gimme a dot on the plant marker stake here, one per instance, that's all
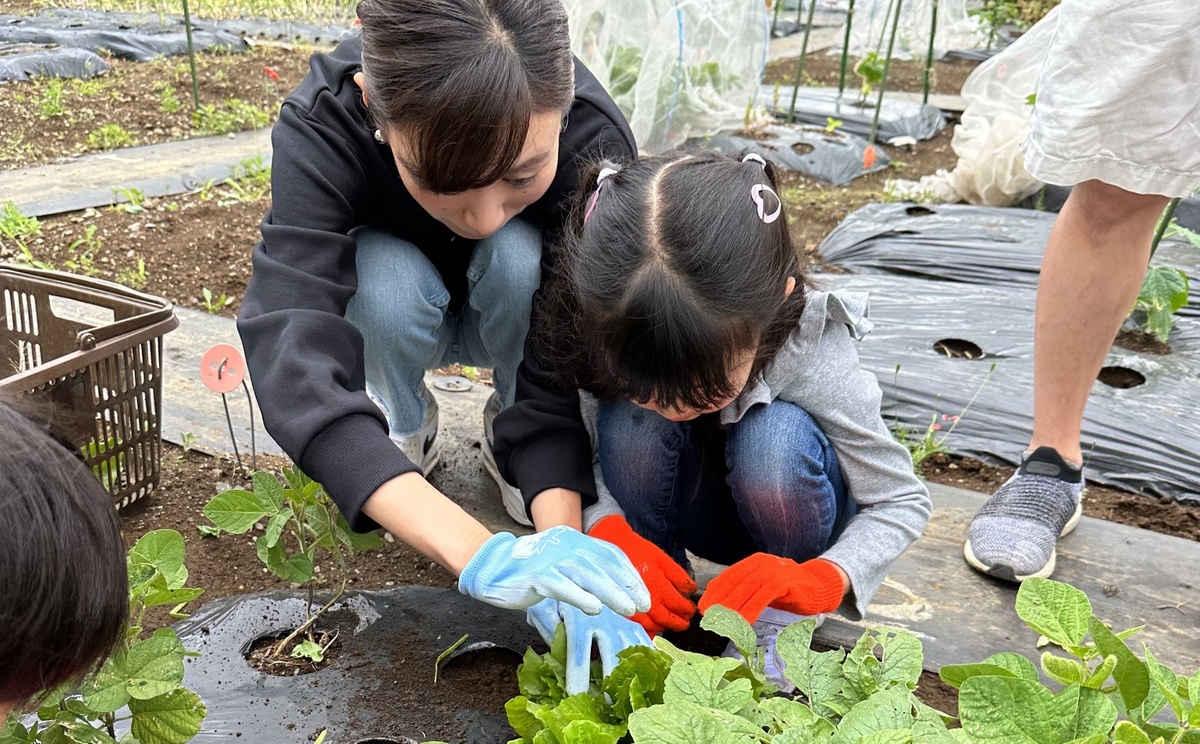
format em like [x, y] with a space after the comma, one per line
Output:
[1163, 223]
[929, 56]
[222, 369]
[812, 9]
[187, 27]
[887, 63]
[845, 53]
[253, 445]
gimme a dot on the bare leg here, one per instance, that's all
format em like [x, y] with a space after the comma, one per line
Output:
[1094, 264]
[1095, 260]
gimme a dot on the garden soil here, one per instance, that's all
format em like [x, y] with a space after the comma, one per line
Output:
[823, 69]
[132, 96]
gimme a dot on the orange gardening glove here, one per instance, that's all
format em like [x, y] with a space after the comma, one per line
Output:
[764, 580]
[669, 584]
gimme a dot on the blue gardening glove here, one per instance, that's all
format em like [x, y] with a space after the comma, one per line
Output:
[611, 632]
[560, 563]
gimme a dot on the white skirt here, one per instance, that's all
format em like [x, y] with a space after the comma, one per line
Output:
[1118, 99]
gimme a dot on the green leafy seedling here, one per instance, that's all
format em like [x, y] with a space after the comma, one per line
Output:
[302, 524]
[437, 663]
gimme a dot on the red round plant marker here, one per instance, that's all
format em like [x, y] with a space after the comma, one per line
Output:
[222, 368]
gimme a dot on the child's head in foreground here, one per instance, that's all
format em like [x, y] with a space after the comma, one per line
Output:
[63, 581]
[677, 278]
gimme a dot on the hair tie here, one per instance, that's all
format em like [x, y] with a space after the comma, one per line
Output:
[605, 174]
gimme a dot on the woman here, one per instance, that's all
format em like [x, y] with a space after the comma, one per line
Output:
[394, 246]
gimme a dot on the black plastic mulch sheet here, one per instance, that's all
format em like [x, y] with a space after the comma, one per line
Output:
[26, 61]
[978, 245]
[1051, 199]
[816, 106]
[832, 157]
[140, 44]
[349, 695]
[259, 28]
[1142, 438]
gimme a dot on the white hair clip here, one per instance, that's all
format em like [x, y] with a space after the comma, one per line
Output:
[754, 157]
[756, 196]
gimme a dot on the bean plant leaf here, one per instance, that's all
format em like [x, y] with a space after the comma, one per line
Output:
[683, 723]
[297, 568]
[1064, 671]
[1131, 675]
[161, 551]
[1098, 676]
[1167, 683]
[955, 674]
[356, 540]
[818, 675]
[157, 594]
[1128, 733]
[1082, 713]
[235, 510]
[729, 624]
[1001, 710]
[268, 490]
[1058, 611]
[173, 718]
[276, 525]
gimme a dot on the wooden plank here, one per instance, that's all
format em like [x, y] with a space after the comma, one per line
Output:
[1132, 577]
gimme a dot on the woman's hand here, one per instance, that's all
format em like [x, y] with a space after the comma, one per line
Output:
[560, 563]
[610, 632]
[763, 580]
[669, 584]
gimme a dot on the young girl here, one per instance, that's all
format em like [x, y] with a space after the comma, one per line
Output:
[64, 595]
[734, 420]
[415, 172]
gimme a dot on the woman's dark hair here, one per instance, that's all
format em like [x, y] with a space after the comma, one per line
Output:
[64, 595]
[460, 80]
[670, 279]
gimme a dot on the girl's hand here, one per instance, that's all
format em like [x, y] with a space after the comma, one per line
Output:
[763, 580]
[560, 563]
[669, 584]
[611, 633]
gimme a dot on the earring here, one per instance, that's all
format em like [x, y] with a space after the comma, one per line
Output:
[379, 137]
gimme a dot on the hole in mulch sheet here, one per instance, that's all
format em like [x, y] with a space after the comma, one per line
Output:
[1121, 377]
[958, 348]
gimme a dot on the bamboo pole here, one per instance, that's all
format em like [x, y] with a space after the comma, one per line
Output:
[887, 64]
[929, 56]
[187, 25]
[812, 9]
[845, 51]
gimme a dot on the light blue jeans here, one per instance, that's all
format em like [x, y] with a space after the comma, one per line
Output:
[402, 310]
[777, 489]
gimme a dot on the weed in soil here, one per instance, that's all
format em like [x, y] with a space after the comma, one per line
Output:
[294, 659]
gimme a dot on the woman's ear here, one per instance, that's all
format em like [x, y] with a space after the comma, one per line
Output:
[361, 82]
[790, 287]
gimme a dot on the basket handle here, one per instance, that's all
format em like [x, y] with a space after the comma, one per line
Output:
[88, 338]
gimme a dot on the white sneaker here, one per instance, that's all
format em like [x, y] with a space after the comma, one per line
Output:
[422, 446]
[514, 503]
[766, 630]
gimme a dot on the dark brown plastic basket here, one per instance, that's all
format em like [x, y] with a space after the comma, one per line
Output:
[93, 348]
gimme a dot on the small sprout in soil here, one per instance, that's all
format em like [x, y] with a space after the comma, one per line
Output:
[215, 305]
[234, 115]
[82, 252]
[187, 440]
[134, 278]
[110, 137]
[310, 650]
[168, 100]
[832, 124]
[437, 663]
[15, 226]
[87, 88]
[249, 182]
[932, 441]
[207, 530]
[50, 103]
[132, 201]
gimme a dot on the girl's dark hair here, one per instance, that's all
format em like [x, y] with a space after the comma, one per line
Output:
[460, 80]
[64, 595]
[672, 277]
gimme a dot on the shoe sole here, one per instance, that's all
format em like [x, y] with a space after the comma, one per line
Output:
[516, 512]
[1006, 573]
